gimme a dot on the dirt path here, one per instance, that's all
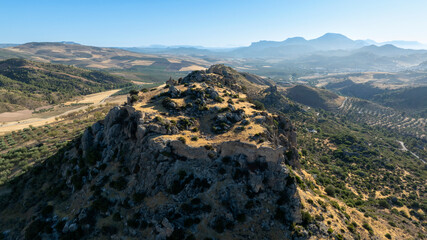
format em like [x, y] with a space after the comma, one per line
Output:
[96, 99]
[402, 144]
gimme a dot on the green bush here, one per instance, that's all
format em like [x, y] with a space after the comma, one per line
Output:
[330, 190]
[119, 184]
[383, 203]
[182, 139]
[219, 99]
[368, 227]
[258, 105]
[208, 147]
[117, 217]
[133, 92]
[306, 218]
[134, 99]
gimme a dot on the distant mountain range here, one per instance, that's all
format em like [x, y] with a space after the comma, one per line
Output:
[401, 44]
[290, 47]
[331, 52]
[330, 44]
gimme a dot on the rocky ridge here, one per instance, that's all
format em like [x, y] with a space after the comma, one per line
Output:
[192, 160]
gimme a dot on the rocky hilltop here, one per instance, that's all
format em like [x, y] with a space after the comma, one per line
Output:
[193, 159]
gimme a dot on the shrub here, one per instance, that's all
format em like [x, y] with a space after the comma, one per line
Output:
[109, 230]
[102, 204]
[182, 139]
[335, 205]
[368, 227]
[158, 119]
[117, 217]
[168, 103]
[221, 223]
[351, 228]
[184, 123]
[306, 218]
[119, 184]
[194, 138]
[182, 174]
[219, 99]
[133, 92]
[258, 105]
[392, 224]
[383, 203]
[241, 217]
[388, 235]
[330, 190]
[134, 98]
[47, 211]
[138, 197]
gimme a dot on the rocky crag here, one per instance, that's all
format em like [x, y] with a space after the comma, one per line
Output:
[195, 159]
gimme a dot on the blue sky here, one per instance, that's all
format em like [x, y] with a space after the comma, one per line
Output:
[213, 23]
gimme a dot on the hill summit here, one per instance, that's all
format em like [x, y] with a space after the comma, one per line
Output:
[193, 159]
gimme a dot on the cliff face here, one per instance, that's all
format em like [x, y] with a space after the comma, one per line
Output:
[234, 188]
[136, 174]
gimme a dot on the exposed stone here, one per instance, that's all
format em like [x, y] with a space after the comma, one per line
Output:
[174, 92]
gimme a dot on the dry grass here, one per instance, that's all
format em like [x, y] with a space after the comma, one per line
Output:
[192, 68]
[336, 218]
[204, 124]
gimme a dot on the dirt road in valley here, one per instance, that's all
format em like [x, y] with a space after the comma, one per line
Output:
[96, 99]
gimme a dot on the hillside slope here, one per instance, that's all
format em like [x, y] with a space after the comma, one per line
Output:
[97, 57]
[28, 84]
[314, 97]
[201, 158]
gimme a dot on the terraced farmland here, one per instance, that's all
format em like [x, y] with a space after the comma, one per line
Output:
[377, 115]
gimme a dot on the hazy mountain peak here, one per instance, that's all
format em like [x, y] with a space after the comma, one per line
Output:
[333, 36]
[335, 41]
[295, 40]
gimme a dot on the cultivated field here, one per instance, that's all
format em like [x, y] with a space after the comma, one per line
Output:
[376, 115]
[13, 121]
